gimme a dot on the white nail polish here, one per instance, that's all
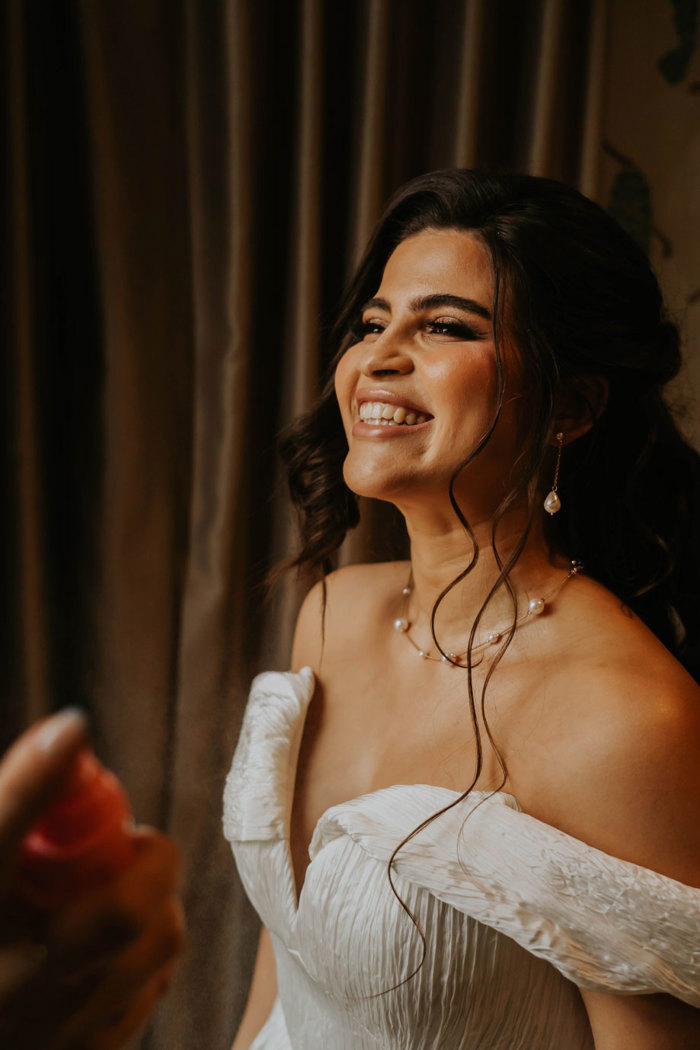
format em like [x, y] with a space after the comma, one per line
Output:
[70, 721]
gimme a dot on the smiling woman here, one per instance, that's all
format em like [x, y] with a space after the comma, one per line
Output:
[468, 816]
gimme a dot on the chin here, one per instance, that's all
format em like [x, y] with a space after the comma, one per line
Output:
[391, 484]
[373, 484]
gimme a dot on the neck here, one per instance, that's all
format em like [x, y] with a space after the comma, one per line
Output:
[440, 552]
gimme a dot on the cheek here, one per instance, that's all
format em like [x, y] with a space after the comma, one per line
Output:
[470, 387]
[340, 378]
[344, 381]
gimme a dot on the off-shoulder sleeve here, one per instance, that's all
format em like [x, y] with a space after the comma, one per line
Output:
[259, 786]
[602, 922]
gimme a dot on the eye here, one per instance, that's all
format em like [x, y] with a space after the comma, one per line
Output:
[452, 329]
[367, 329]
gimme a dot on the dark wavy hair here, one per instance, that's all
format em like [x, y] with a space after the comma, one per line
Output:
[579, 298]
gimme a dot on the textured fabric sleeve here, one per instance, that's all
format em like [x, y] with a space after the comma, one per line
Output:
[265, 754]
[602, 922]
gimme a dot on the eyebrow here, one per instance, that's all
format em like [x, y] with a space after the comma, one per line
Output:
[428, 302]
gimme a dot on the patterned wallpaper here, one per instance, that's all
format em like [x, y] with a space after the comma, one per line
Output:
[650, 175]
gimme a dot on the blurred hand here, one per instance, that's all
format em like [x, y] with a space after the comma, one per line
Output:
[89, 976]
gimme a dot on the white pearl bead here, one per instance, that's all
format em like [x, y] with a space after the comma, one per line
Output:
[494, 637]
[535, 606]
[401, 624]
[552, 503]
[422, 653]
[406, 591]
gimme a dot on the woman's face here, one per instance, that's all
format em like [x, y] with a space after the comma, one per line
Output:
[418, 390]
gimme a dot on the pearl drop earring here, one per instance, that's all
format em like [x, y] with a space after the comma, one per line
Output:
[552, 503]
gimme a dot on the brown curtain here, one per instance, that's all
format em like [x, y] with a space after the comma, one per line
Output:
[188, 187]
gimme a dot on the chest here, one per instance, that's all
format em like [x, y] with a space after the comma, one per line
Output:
[369, 728]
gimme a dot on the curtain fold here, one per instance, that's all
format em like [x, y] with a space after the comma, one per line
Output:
[142, 245]
[24, 490]
[468, 98]
[305, 303]
[547, 65]
[229, 161]
[592, 134]
[371, 146]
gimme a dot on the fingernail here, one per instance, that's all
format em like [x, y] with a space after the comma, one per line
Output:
[68, 723]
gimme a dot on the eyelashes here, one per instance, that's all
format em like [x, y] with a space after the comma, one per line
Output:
[363, 328]
[452, 329]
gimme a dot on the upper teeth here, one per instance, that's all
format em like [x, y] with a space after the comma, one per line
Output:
[383, 413]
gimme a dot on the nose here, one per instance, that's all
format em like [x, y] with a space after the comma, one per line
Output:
[387, 355]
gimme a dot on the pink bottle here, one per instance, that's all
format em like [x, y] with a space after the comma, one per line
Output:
[81, 841]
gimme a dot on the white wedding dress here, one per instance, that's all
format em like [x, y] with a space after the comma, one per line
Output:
[516, 914]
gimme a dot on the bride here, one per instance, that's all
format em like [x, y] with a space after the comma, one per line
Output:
[469, 817]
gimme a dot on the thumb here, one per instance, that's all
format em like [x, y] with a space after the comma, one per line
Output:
[31, 771]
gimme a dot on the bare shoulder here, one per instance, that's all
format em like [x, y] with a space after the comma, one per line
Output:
[623, 772]
[356, 598]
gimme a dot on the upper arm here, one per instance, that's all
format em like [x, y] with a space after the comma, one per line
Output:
[628, 779]
[654, 803]
[630, 785]
[326, 627]
[641, 1022]
[308, 634]
[262, 995]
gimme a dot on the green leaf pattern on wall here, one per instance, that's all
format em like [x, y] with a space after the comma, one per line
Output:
[674, 64]
[630, 201]
[630, 204]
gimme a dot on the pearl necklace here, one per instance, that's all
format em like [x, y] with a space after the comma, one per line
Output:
[535, 607]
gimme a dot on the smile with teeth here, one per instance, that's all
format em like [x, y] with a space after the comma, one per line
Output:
[377, 412]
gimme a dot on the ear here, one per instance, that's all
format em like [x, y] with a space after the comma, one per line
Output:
[579, 405]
